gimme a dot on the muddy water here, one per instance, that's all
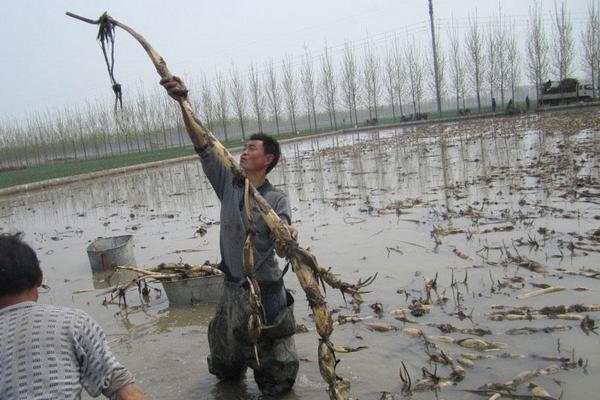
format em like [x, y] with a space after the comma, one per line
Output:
[406, 204]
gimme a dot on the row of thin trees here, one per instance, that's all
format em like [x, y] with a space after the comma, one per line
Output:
[388, 78]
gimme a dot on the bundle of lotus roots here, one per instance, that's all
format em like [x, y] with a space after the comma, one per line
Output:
[175, 271]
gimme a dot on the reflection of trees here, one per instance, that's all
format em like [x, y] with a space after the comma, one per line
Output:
[568, 159]
[381, 163]
[397, 161]
[447, 189]
[101, 206]
[464, 156]
[423, 160]
[339, 178]
[358, 171]
[318, 176]
[595, 154]
[483, 160]
[280, 177]
[514, 145]
[540, 148]
[410, 165]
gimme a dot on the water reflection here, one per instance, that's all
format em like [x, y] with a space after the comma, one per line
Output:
[113, 278]
[195, 315]
[491, 176]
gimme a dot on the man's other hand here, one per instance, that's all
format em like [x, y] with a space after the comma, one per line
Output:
[293, 232]
[281, 247]
[175, 88]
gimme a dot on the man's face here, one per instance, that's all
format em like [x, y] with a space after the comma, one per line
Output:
[253, 158]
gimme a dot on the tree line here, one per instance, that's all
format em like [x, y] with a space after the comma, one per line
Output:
[351, 85]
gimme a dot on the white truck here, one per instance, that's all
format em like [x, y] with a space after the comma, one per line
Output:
[566, 91]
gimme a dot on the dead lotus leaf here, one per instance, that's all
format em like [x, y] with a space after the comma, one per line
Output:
[380, 327]
[481, 345]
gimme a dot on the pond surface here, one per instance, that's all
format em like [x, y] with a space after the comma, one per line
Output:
[481, 200]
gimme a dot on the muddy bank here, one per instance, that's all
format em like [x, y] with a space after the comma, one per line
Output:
[498, 210]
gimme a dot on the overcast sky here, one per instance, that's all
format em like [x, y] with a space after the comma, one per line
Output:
[50, 60]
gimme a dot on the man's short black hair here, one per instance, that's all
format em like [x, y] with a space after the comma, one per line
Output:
[19, 265]
[270, 145]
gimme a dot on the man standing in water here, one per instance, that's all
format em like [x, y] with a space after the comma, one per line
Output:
[49, 352]
[231, 351]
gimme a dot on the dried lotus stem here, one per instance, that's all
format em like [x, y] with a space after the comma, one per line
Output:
[254, 320]
[304, 264]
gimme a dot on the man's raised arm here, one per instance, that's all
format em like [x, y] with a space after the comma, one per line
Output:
[217, 173]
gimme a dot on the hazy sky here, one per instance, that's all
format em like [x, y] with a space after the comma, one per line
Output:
[50, 60]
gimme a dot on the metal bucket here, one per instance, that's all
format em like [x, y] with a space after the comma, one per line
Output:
[204, 289]
[106, 253]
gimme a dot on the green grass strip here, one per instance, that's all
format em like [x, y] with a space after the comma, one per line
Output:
[77, 167]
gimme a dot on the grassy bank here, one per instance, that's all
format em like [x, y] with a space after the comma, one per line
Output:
[76, 167]
[70, 168]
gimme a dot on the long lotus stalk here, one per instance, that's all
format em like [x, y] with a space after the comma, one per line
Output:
[304, 263]
[254, 320]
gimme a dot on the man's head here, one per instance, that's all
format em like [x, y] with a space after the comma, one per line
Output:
[19, 266]
[261, 151]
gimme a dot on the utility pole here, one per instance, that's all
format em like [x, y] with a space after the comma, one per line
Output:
[438, 95]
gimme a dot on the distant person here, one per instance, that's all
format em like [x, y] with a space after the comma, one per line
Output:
[510, 107]
[493, 104]
[50, 352]
[527, 102]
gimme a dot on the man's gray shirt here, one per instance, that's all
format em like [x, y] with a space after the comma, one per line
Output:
[234, 223]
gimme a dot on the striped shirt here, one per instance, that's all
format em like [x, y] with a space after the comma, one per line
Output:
[49, 352]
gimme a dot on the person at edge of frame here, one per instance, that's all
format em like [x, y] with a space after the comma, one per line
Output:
[49, 351]
[230, 350]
